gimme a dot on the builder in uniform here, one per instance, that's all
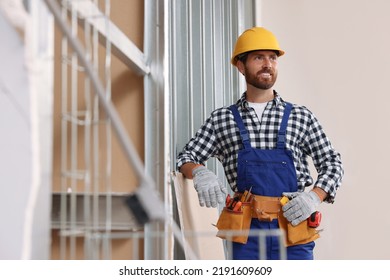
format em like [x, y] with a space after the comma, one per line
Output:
[263, 143]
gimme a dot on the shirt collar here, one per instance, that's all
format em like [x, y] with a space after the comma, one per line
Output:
[276, 102]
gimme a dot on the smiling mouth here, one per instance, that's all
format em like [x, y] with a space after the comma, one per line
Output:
[265, 75]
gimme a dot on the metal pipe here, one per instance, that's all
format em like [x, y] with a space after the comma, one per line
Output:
[107, 72]
[74, 136]
[64, 137]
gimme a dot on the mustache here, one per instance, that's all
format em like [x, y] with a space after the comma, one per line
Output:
[267, 71]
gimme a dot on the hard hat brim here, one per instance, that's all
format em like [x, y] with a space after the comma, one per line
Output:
[234, 60]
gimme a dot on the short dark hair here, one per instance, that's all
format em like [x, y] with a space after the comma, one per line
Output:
[243, 56]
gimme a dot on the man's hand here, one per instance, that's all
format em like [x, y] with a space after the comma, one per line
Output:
[300, 206]
[209, 188]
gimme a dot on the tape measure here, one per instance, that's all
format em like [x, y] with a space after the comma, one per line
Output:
[315, 218]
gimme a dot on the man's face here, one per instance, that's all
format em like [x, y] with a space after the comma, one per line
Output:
[260, 69]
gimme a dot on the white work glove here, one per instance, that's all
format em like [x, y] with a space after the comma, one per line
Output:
[300, 206]
[209, 188]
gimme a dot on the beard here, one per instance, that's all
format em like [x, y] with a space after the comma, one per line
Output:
[260, 82]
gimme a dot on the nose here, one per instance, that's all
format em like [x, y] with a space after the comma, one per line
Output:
[267, 62]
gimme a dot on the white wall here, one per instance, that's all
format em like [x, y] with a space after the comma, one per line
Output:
[15, 147]
[26, 134]
[337, 63]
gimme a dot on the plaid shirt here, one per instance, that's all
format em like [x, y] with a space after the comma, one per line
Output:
[219, 137]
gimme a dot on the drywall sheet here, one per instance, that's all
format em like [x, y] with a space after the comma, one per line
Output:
[196, 221]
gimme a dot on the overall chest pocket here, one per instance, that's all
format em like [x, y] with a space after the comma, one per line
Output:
[268, 178]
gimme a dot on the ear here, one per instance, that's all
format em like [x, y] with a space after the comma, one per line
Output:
[241, 67]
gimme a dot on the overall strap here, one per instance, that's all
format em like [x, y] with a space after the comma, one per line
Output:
[243, 132]
[281, 144]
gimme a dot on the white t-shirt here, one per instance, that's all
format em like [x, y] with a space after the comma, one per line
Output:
[259, 108]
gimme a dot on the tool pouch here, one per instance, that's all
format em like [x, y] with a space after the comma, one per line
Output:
[299, 234]
[234, 225]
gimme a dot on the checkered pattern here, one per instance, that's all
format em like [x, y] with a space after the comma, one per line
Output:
[219, 137]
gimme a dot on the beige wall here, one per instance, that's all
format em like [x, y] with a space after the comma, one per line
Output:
[337, 63]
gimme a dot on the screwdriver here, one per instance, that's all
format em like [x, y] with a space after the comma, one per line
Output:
[227, 202]
[233, 202]
[237, 206]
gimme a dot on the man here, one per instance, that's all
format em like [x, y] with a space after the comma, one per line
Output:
[263, 143]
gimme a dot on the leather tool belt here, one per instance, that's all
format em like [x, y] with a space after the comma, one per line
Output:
[264, 208]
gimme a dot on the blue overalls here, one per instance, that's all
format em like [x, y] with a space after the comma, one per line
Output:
[268, 173]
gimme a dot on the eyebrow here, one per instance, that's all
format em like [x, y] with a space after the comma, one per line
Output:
[273, 54]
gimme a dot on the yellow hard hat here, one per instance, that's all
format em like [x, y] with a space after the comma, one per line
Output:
[256, 38]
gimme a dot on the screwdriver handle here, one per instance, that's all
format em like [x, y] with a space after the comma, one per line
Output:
[237, 207]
